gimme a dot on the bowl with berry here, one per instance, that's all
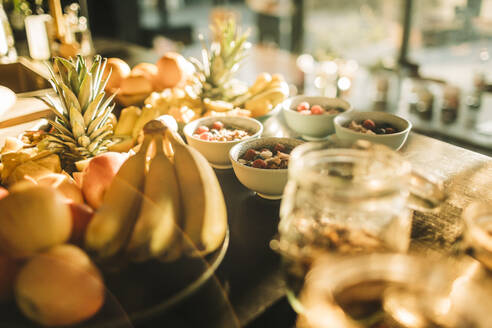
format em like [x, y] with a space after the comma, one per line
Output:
[214, 136]
[312, 117]
[261, 164]
[379, 127]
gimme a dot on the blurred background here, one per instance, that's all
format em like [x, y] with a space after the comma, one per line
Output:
[428, 60]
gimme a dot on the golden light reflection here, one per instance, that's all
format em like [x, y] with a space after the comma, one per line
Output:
[407, 318]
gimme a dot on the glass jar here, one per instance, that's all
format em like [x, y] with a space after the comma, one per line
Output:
[347, 201]
[450, 104]
[395, 290]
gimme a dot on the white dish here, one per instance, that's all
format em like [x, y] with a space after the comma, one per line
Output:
[267, 183]
[394, 140]
[217, 152]
[312, 127]
[7, 99]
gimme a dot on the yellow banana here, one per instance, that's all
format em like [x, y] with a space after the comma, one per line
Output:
[260, 84]
[128, 118]
[148, 113]
[157, 231]
[217, 105]
[112, 224]
[204, 209]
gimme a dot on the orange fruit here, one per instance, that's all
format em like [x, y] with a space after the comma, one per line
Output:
[59, 287]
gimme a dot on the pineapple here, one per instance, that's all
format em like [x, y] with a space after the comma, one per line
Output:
[219, 63]
[80, 128]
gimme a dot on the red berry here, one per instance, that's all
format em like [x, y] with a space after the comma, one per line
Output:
[259, 163]
[305, 112]
[201, 129]
[317, 110]
[369, 124]
[279, 147]
[206, 136]
[217, 125]
[250, 154]
[303, 106]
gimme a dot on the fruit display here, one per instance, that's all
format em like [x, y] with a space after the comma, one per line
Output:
[164, 202]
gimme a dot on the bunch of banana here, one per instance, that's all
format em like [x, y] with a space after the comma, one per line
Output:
[267, 92]
[175, 207]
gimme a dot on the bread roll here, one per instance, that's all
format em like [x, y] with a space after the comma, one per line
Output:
[136, 84]
[173, 69]
[148, 70]
[119, 71]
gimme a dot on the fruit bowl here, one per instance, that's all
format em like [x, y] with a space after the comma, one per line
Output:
[217, 152]
[312, 127]
[394, 140]
[267, 183]
[140, 292]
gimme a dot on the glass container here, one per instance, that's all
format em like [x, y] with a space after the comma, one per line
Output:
[395, 290]
[347, 201]
[450, 106]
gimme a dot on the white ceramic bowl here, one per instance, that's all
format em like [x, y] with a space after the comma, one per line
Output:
[217, 152]
[312, 127]
[267, 183]
[394, 141]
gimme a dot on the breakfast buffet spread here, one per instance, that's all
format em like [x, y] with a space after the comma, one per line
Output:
[119, 189]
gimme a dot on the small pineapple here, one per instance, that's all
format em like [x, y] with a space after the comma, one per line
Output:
[219, 63]
[80, 128]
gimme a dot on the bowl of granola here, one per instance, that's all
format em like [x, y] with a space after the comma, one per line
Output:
[378, 127]
[312, 117]
[261, 164]
[215, 136]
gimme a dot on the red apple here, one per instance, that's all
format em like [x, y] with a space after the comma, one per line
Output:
[3, 192]
[81, 216]
[98, 174]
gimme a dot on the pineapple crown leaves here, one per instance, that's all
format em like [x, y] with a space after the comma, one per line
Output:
[222, 60]
[79, 128]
